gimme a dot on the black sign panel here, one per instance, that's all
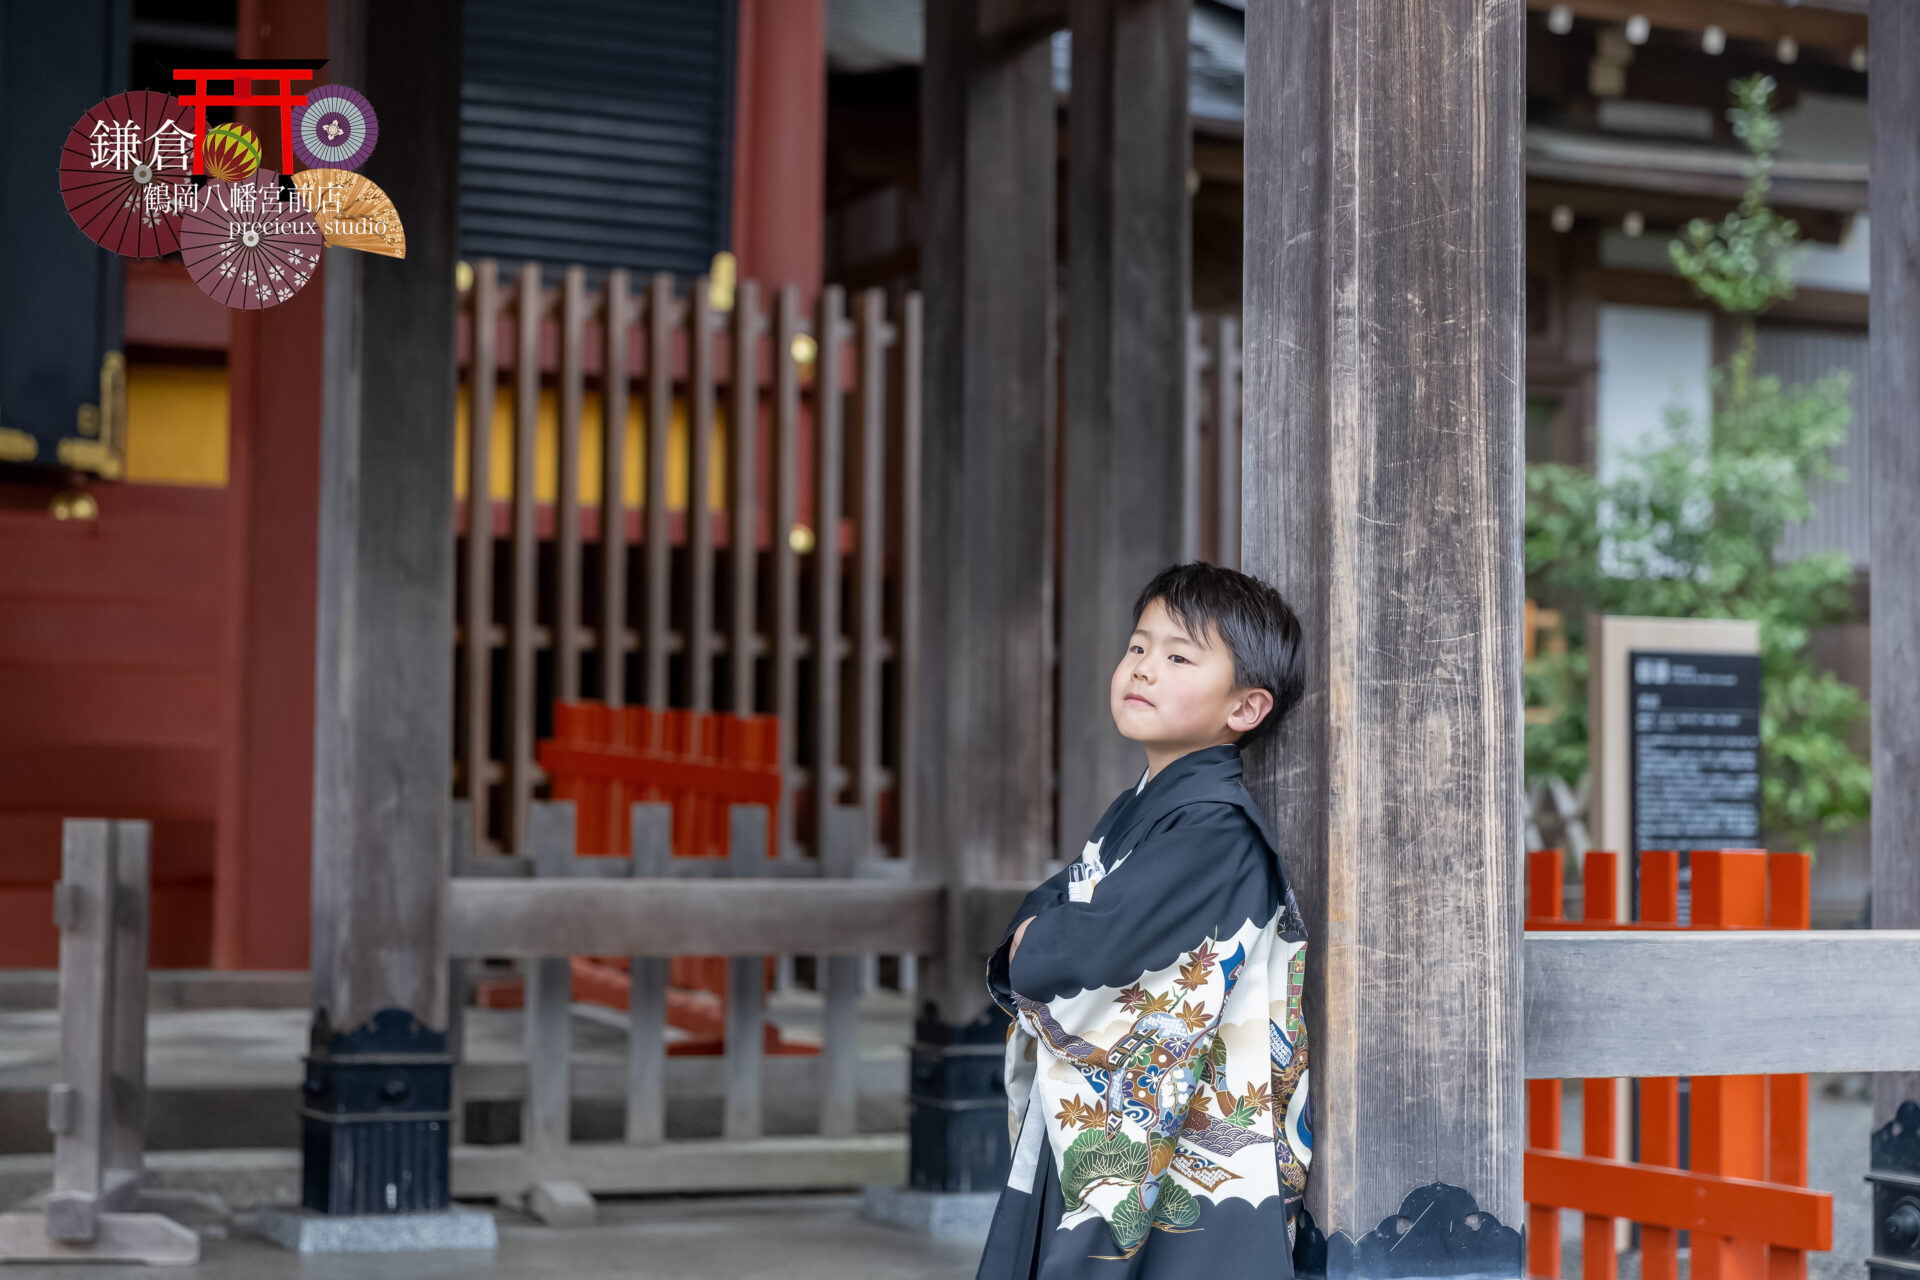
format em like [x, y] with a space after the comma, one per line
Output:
[1695, 752]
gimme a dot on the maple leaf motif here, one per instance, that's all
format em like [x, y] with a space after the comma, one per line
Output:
[1257, 1097]
[1194, 1015]
[1095, 1117]
[1193, 976]
[1072, 1112]
[1158, 1004]
[1205, 954]
[1132, 998]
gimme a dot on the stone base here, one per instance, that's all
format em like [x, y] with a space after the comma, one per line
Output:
[942, 1215]
[303, 1231]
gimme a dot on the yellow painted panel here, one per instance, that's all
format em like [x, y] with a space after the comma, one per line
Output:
[547, 451]
[177, 424]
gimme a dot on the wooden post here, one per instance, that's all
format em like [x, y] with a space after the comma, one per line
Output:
[383, 741]
[977, 763]
[1124, 470]
[1893, 380]
[1382, 451]
[988, 156]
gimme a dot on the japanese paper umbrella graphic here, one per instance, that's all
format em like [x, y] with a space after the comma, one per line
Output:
[124, 173]
[246, 249]
[335, 130]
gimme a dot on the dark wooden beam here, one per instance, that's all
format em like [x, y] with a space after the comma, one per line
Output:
[1810, 25]
[1129, 246]
[1383, 496]
[1893, 388]
[1654, 289]
[980, 752]
[384, 743]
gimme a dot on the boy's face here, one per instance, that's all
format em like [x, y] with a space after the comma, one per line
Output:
[1173, 692]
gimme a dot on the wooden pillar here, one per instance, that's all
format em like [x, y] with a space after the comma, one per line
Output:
[981, 730]
[1893, 380]
[383, 743]
[1382, 458]
[978, 735]
[1129, 282]
[274, 363]
[780, 143]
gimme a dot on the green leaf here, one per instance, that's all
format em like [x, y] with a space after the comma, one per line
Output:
[1176, 1206]
[1094, 1155]
[1130, 1222]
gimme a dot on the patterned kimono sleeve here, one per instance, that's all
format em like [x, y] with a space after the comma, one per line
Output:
[1128, 989]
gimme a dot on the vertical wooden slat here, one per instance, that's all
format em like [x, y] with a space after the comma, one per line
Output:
[1660, 1095]
[828, 405]
[1727, 1128]
[661, 319]
[548, 1020]
[1789, 906]
[127, 1052]
[907, 562]
[786, 566]
[875, 336]
[1599, 1098]
[651, 841]
[1190, 421]
[746, 977]
[1545, 872]
[700, 343]
[479, 616]
[743, 450]
[840, 985]
[613, 504]
[1226, 434]
[84, 909]
[529, 309]
[566, 613]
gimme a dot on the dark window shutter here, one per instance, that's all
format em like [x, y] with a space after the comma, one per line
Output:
[61, 295]
[598, 132]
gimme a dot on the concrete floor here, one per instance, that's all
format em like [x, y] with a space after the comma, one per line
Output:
[254, 1054]
[734, 1238]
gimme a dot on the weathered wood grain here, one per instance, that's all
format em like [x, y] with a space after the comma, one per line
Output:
[1686, 1003]
[530, 309]
[650, 839]
[477, 621]
[746, 985]
[1126, 467]
[566, 599]
[1893, 387]
[384, 657]
[980, 758]
[1382, 465]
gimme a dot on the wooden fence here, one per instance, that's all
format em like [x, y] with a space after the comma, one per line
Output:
[765, 567]
[1742, 1196]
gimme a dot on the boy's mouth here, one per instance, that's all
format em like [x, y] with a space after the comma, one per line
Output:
[1134, 697]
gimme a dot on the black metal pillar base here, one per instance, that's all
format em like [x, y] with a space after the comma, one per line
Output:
[1895, 1177]
[1440, 1231]
[957, 1105]
[375, 1118]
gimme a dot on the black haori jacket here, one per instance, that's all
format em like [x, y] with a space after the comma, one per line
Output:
[1157, 1064]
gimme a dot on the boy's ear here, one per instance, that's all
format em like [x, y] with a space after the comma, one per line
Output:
[1252, 708]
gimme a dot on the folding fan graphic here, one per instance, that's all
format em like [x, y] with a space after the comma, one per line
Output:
[118, 152]
[352, 211]
[246, 249]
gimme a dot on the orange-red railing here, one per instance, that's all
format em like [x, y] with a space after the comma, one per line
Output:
[1743, 1199]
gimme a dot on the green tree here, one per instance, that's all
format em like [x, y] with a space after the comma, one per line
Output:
[1687, 531]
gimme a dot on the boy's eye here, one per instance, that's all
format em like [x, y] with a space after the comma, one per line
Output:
[1176, 657]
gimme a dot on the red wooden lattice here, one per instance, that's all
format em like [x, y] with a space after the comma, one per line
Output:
[1743, 1200]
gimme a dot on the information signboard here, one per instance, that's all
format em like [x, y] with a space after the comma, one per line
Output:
[1695, 753]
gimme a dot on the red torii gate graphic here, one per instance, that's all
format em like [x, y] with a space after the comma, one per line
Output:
[286, 99]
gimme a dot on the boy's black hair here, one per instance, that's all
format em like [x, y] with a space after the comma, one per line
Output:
[1251, 619]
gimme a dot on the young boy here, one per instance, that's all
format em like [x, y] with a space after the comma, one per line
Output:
[1156, 1066]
